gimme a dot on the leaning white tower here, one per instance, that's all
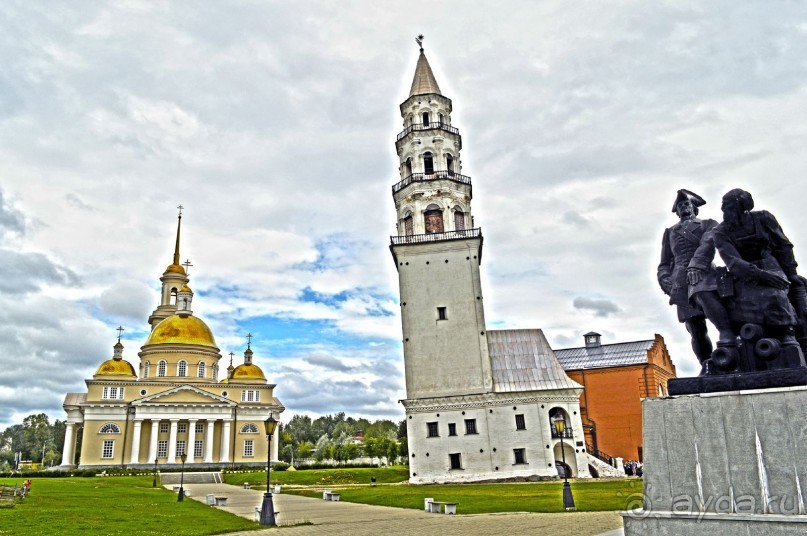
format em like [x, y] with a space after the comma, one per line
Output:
[479, 405]
[437, 251]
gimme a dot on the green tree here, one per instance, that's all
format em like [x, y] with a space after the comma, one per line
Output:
[392, 453]
[305, 449]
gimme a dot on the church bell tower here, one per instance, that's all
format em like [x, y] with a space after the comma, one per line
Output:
[437, 250]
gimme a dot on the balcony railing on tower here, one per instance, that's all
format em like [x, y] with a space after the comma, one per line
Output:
[436, 175]
[431, 125]
[436, 237]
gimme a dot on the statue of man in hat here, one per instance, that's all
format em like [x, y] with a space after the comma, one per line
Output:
[691, 300]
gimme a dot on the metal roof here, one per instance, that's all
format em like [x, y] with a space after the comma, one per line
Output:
[522, 360]
[606, 355]
[75, 399]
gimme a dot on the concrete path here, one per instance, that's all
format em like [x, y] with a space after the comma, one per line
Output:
[335, 518]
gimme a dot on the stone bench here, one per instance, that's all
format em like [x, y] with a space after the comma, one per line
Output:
[328, 495]
[435, 507]
[212, 500]
[247, 486]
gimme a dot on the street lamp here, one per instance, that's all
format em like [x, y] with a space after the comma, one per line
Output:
[268, 507]
[181, 496]
[154, 484]
[568, 500]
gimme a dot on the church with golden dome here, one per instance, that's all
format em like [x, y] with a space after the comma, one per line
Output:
[173, 403]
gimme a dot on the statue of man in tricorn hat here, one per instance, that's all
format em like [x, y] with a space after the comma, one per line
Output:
[691, 300]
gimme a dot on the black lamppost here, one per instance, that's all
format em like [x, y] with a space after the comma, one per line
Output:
[568, 500]
[181, 496]
[268, 507]
[154, 484]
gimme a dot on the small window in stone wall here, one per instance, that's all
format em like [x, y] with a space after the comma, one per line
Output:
[248, 448]
[108, 449]
[452, 428]
[520, 455]
[162, 448]
[442, 314]
[455, 460]
[470, 426]
[431, 429]
[520, 423]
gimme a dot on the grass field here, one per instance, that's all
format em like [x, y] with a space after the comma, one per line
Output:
[323, 477]
[109, 506]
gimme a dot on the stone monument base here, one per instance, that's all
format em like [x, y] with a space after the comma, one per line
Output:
[728, 463]
[738, 381]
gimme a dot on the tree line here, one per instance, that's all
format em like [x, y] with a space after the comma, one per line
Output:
[35, 440]
[332, 437]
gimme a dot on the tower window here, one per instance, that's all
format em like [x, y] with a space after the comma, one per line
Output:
[425, 119]
[441, 313]
[200, 370]
[409, 226]
[459, 220]
[182, 368]
[450, 164]
[408, 167]
[520, 455]
[470, 427]
[452, 428]
[431, 429]
[146, 369]
[161, 369]
[520, 423]
[428, 163]
[455, 460]
[440, 118]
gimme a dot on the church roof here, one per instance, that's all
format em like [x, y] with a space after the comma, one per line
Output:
[522, 360]
[606, 355]
[183, 330]
[424, 81]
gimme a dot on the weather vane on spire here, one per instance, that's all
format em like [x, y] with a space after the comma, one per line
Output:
[180, 207]
[419, 41]
[119, 330]
[187, 264]
[249, 340]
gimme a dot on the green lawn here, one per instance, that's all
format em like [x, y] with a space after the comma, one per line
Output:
[589, 496]
[111, 505]
[323, 477]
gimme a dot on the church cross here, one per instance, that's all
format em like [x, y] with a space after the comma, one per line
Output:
[180, 207]
[231, 358]
[187, 264]
[249, 339]
[119, 330]
[419, 41]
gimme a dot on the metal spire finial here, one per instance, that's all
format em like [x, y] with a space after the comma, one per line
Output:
[120, 330]
[231, 358]
[187, 264]
[419, 41]
[179, 224]
[249, 340]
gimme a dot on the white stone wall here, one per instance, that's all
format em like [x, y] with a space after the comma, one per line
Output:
[443, 357]
[489, 453]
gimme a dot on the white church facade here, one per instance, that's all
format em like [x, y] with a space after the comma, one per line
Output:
[173, 403]
[480, 405]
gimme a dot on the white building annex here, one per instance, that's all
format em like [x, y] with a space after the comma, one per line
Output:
[177, 405]
[480, 405]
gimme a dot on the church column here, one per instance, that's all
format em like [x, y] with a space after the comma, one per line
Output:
[69, 451]
[136, 441]
[191, 439]
[209, 441]
[172, 442]
[155, 429]
[225, 441]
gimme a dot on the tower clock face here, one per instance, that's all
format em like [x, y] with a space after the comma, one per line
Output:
[434, 222]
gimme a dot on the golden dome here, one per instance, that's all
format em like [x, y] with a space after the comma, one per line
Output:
[186, 288]
[116, 367]
[175, 268]
[247, 372]
[182, 330]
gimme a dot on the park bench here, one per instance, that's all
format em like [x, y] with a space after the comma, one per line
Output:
[435, 507]
[247, 486]
[10, 495]
[212, 500]
[328, 495]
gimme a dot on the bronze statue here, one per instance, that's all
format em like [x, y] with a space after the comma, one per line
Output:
[695, 297]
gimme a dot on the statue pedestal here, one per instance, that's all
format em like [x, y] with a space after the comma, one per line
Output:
[724, 463]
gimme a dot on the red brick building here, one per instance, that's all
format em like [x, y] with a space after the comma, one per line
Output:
[615, 378]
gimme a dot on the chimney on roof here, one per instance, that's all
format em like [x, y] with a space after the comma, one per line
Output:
[592, 340]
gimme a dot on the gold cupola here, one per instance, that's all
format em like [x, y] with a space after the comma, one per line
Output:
[117, 366]
[173, 279]
[248, 372]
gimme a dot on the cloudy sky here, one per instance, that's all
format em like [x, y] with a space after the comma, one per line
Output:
[274, 123]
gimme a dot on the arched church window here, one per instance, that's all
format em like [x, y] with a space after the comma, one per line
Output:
[161, 369]
[200, 370]
[408, 167]
[433, 219]
[110, 428]
[428, 163]
[146, 369]
[425, 119]
[184, 304]
[459, 219]
[450, 164]
[215, 375]
[409, 225]
[440, 118]
[249, 428]
[182, 368]
[173, 296]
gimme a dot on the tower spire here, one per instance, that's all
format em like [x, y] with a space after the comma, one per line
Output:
[176, 247]
[424, 82]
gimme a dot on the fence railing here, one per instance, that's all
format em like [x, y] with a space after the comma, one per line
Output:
[435, 175]
[431, 125]
[435, 237]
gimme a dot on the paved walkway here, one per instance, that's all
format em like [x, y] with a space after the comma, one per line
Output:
[334, 518]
